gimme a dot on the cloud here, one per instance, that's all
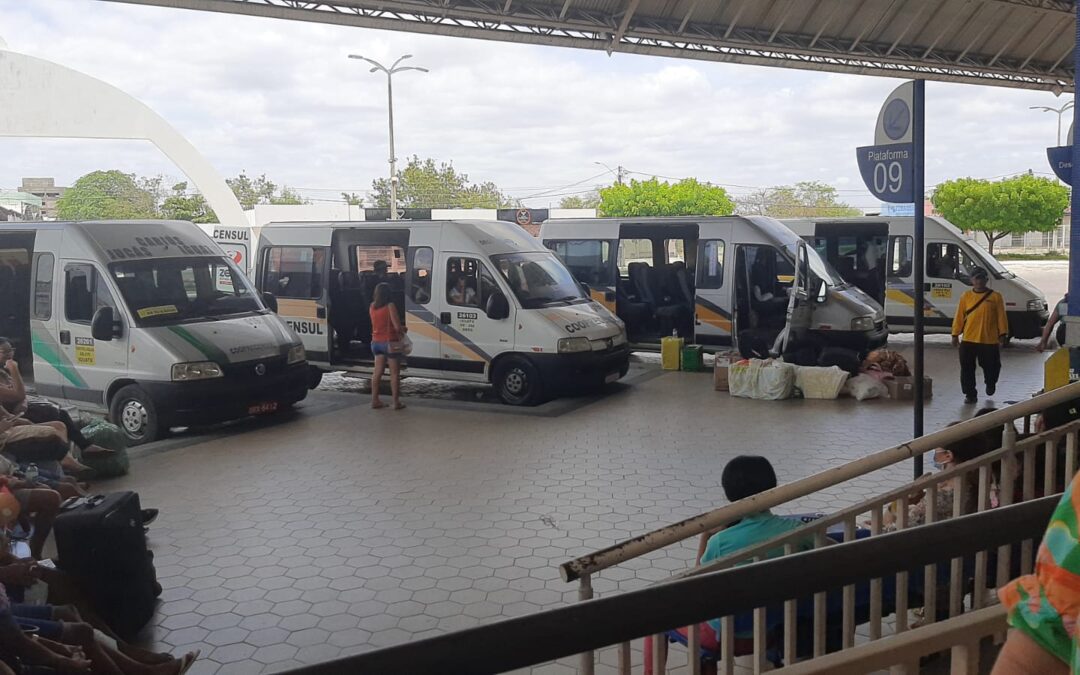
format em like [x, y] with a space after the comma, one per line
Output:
[282, 98]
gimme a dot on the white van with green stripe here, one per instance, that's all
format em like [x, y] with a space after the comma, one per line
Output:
[147, 321]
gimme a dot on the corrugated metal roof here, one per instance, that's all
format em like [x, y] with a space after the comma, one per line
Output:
[1015, 43]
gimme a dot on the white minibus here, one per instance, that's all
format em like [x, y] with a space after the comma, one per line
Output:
[876, 254]
[714, 280]
[146, 321]
[520, 322]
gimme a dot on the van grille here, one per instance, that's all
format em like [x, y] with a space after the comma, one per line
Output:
[247, 371]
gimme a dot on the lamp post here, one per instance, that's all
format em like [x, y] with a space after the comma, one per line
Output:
[395, 68]
[1060, 111]
[618, 174]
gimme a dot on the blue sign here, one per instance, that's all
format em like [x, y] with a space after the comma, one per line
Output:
[1061, 162]
[888, 171]
[892, 210]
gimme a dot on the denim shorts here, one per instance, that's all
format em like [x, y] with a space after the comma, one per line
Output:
[383, 349]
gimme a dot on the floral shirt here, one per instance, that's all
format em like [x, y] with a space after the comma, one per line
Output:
[1045, 605]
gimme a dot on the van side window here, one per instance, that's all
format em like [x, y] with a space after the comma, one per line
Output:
[711, 266]
[423, 262]
[294, 271]
[84, 293]
[589, 260]
[948, 261]
[632, 251]
[43, 282]
[901, 253]
[468, 282]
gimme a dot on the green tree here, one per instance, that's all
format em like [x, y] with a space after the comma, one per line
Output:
[803, 199]
[590, 200]
[423, 184]
[652, 197]
[261, 190]
[352, 199]
[182, 206]
[106, 195]
[1024, 203]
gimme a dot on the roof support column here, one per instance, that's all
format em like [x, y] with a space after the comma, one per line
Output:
[1072, 321]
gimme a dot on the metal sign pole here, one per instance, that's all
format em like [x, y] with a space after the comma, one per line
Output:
[918, 138]
[1072, 321]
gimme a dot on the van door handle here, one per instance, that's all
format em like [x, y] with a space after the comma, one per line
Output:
[445, 318]
[320, 312]
[65, 337]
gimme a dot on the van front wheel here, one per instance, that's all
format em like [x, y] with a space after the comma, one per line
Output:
[133, 411]
[518, 381]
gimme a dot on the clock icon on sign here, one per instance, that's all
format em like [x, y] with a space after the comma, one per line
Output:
[896, 119]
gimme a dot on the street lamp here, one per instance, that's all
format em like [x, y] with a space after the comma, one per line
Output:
[1060, 111]
[618, 174]
[395, 68]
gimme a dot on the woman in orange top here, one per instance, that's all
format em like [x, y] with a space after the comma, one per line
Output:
[386, 334]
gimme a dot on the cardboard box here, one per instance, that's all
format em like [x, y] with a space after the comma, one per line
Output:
[720, 375]
[903, 388]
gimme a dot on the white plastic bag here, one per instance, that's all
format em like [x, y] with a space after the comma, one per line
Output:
[863, 387]
[820, 382]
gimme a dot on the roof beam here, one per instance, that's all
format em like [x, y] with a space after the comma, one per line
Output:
[1047, 39]
[735, 19]
[914, 17]
[1012, 40]
[885, 18]
[506, 7]
[690, 13]
[829, 20]
[947, 28]
[987, 25]
[809, 15]
[565, 9]
[780, 21]
[628, 14]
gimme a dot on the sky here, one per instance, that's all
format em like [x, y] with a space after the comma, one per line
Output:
[282, 98]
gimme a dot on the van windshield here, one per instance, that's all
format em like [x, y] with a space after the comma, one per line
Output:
[818, 265]
[538, 279]
[164, 291]
[989, 261]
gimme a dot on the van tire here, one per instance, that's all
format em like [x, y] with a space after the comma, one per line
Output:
[517, 381]
[134, 412]
[314, 377]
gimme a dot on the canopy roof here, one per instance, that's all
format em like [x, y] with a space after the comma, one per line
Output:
[1014, 43]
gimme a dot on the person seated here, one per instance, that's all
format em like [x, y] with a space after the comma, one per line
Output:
[460, 294]
[23, 442]
[743, 477]
[14, 399]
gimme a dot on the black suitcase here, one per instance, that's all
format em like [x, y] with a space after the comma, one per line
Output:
[101, 542]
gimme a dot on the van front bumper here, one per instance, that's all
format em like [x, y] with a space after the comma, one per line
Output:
[860, 341]
[238, 394]
[582, 369]
[1026, 324]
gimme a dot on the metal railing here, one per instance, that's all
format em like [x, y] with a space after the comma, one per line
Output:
[971, 485]
[545, 636]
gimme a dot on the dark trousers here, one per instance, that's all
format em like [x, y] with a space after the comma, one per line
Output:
[988, 358]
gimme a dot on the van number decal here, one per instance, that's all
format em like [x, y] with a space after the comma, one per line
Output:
[582, 325]
[466, 322]
[941, 291]
[85, 354]
[306, 327]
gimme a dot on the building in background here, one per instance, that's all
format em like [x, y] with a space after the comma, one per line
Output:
[28, 206]
[47, 190]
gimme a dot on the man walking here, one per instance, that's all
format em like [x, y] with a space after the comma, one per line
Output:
[980, 318]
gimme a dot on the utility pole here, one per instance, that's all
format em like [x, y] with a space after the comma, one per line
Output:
[620, 172]
[395, 68]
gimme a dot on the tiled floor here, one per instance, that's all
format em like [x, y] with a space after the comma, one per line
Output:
[353, 529]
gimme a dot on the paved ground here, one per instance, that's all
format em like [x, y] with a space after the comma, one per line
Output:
[347, 529]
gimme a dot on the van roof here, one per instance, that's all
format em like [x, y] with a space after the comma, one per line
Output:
[931, 222]
[771, 228]
[492, 236]
[114, 240]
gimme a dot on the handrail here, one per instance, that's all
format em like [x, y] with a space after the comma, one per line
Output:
[839, 517]
[552, 634]
[909, 645]
[665, 536]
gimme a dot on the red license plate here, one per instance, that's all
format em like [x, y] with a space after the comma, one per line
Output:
[263, 408]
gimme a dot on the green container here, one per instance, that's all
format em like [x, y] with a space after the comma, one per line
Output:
[691, 358]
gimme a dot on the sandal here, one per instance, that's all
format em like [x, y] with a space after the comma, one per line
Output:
[399, 406]
[186, 661]
[378, 404]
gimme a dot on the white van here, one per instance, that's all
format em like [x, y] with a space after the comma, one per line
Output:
[523, 325]
[713, 280]
[236, 242]
[136, 319]
[876, 254]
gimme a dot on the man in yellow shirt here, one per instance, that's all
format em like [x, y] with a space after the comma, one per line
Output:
[980, 318]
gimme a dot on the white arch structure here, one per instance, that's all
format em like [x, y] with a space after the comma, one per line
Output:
[42, 99]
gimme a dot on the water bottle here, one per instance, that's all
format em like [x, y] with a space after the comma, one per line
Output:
[31, 473]
[674, 332]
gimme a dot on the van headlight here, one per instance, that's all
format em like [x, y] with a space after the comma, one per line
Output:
[862, 323]
[1036, 305]
[200, 370]
[574, 344]
[296, 354]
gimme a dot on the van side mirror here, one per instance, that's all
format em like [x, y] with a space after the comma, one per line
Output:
[270, 301]
[103, 325]
[498, 307]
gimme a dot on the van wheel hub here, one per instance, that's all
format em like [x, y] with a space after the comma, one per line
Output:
[516, 381]
[134, 417]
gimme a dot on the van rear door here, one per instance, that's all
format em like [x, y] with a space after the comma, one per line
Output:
[297, 277]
